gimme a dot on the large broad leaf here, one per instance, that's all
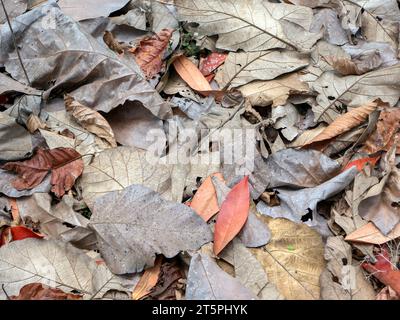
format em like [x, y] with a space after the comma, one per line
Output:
[135, 224]
[207, 281]
[64, 58]
[54, 263]
[336, 92]
[118, 168]
[343, 278]
[90, 8]
[244, 67]
[293, 259]
[251, 25]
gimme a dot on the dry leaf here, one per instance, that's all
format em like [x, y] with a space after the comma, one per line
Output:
[293, 259]
[251, 25]
[90, 119]
[65, 165]
[371, 234]
[205, 201]
[34, 123]
[344, 123]
[135, 224]
[191, 74]
[149, 52]
[147, 281]
[39, 291]
[275, 92]
[232, 216]
[210, 63]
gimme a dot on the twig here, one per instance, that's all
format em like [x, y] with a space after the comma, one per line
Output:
[15, 42]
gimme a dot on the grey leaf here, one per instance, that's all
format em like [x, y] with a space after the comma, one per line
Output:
[207, 281]
[135, 224]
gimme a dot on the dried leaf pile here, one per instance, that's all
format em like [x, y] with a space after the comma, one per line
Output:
[117, 119]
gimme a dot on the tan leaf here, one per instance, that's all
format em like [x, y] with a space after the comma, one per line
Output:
[191, 74]
[344, 123]
[150, 51]
[357, 66]
[275, 92]
[371, 234]
[90, 119]
[147, 281]
[34, 123]
[293, 259]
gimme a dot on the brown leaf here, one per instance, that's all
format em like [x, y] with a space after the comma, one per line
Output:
[385, 133]
[191, 74]
[39, 291]
[149, 53]
[205, 201]
[232, 216]
[358, 66]
[148, 280]
[90, 119]
[34, 123]
[344, 123]
[371, 234]
[65, 165]
[112, 43]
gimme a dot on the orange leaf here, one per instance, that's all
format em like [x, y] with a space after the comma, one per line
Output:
[360, 163]
[65, 165]
[16, 233]
[147, 281]
[344, 123]
[39, 291]
[383, 270]
[232, 216]
[205, 201]
[372, 235]
[150, 51]
[14, 210]
[191, 75]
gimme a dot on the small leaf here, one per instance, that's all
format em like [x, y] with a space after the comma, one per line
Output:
[369, 233]
[361, 163]
[39, 291]
[191, 74]
[205, 201]
[65, 165]
[150, 52]
[232, 216]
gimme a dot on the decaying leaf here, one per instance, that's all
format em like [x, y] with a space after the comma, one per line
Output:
[293, 259]
[65, 165]
[147, 281]
[207, 281]
[128, 224]
[150, 51]
[242, 68]
[250, 24]
[39, 291]
[90, 119]
[232, 216]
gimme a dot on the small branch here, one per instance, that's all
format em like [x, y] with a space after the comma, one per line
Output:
[15, 42]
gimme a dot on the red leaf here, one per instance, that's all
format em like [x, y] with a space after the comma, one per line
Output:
[65, 165]
[383, 271]
[205, 201]
[360, 163]
[211, 63]
[38, 291]
[232, 215]
[17, 233]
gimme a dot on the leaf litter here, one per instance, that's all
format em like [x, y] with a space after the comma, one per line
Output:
[206, 149]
